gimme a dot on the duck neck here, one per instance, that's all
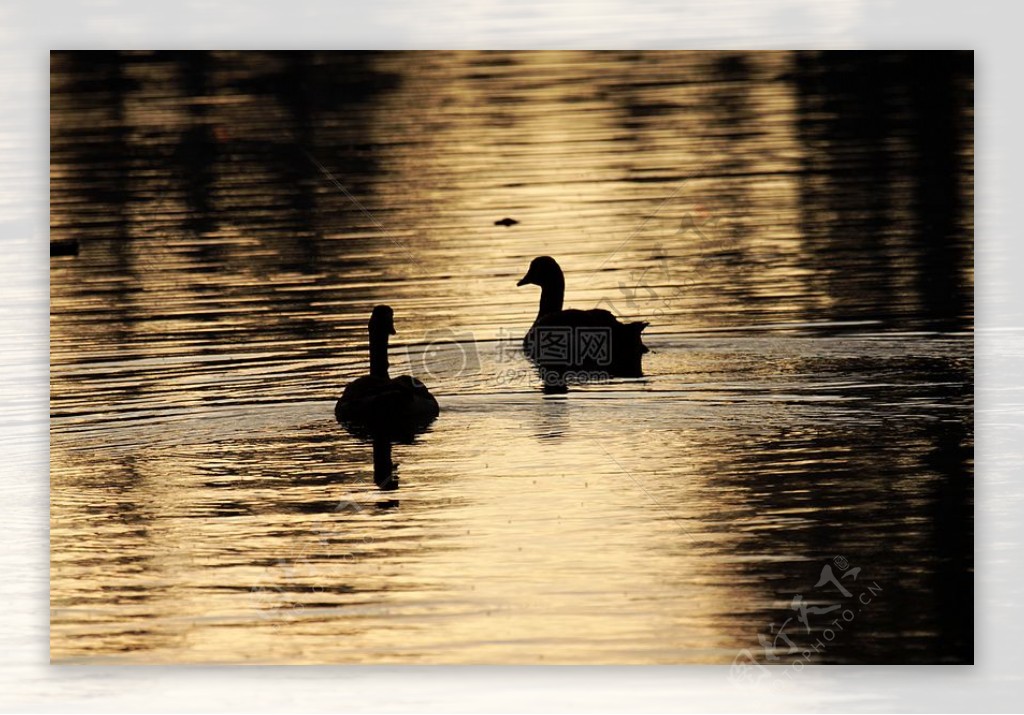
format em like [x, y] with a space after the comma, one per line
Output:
[379, 355]
[551, 296]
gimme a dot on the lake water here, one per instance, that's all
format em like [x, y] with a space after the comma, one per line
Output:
[797, 228]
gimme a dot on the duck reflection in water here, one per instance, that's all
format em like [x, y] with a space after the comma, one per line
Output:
[385, 410]
[385, 471]
[385, 474]
[577, 345]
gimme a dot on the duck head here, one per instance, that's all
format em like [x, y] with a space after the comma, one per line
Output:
[544, 271]
[382, 321]
[382, 325]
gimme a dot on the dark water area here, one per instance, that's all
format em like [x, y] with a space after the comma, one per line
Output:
[790, 481]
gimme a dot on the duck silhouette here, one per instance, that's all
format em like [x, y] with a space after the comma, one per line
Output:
[578, 340]
[378, 404]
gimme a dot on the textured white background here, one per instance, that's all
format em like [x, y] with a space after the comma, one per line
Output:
[29, 30]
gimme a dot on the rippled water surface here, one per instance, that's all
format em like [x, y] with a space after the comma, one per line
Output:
[796, 228]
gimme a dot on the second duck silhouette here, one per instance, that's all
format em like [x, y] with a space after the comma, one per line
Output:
[378, 404]
[592, 340]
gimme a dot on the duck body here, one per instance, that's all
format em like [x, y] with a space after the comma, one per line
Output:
[378, 403]
[592, 341]
[587, 331]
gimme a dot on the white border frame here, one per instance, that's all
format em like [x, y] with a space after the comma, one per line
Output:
[29, 30]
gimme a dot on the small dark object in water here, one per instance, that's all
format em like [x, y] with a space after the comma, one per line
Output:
[578, 344]
[64, 247]
[506, 222]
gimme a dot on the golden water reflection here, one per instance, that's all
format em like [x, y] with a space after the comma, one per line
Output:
[808, 394]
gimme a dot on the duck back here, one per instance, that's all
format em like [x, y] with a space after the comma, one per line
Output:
[378, 402]
[590, 340]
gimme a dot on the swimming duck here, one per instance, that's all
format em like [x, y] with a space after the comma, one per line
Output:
[377, 401]
[592, 340]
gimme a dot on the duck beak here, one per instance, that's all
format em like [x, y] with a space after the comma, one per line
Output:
[524, 280]
[393, 331]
